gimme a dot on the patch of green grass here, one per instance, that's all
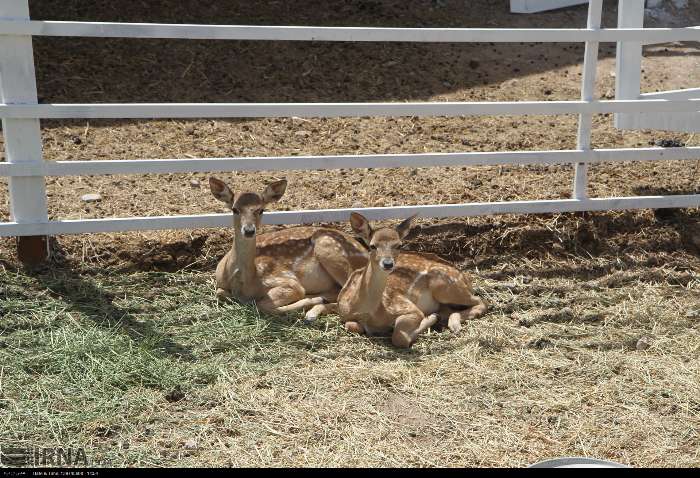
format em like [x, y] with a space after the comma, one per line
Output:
[148, 369]
[85, 354]
[71, 354]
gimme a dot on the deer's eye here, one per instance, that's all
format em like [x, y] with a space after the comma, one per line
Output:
[235, 210]
[372, 247]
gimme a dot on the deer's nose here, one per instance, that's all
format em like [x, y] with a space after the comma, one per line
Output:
[248, 230]
[387, 264]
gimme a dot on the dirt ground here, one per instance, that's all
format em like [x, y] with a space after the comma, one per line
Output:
[564, 282]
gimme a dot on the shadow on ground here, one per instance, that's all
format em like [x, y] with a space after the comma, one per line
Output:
[91, 69]
[98, 305]
[481, 243]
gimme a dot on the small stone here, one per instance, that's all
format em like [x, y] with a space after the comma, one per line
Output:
[76, 140]
[693, 314]
[194, 183]
[303, 134]
[643, 343]
[191, 444]
[92, 197]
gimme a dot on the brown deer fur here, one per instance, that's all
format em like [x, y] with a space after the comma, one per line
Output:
[284, 270]
[403, 291]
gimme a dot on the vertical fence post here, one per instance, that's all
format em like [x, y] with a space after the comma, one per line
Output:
[630, 14]
[585, 120]
[22, 136]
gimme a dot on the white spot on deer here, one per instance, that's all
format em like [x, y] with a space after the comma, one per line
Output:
[419, 276]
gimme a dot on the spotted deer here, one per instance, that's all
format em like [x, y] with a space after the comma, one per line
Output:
[404, 291]
[285, 270]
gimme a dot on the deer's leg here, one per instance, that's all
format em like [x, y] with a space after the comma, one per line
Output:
[457, 294]
[325, 299]
[289, 295]
[408, 326]
[456, 317]
[301, 304]
[285, 295]
[318, 310]
[453, 318]
[223, 295]
[354, 327]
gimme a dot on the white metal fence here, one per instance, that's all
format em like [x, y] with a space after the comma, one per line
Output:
[27, 170]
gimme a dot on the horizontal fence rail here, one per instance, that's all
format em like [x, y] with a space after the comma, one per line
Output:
[300, 163]
[344, 34]
[339, 215]
[19, 110]
[337, 110]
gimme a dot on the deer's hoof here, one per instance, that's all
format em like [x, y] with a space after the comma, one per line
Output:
[223, 295]
[455, 323]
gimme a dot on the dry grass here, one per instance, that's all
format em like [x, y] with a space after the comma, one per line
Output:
[556, 368]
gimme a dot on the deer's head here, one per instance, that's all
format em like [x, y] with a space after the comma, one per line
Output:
[383, 243]
[247, 207]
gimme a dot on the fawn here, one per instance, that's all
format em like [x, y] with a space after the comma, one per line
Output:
[284, 270]
[407, 291]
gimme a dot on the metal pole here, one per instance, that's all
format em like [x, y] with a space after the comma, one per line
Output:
[22, 136]
[585, 122]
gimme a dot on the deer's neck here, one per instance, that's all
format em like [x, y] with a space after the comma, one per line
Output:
[244, 252]
[373, 283]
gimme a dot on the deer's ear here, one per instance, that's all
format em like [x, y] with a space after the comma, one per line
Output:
[405, 226]
[360, 225]
[221, 191]
[274, 192]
